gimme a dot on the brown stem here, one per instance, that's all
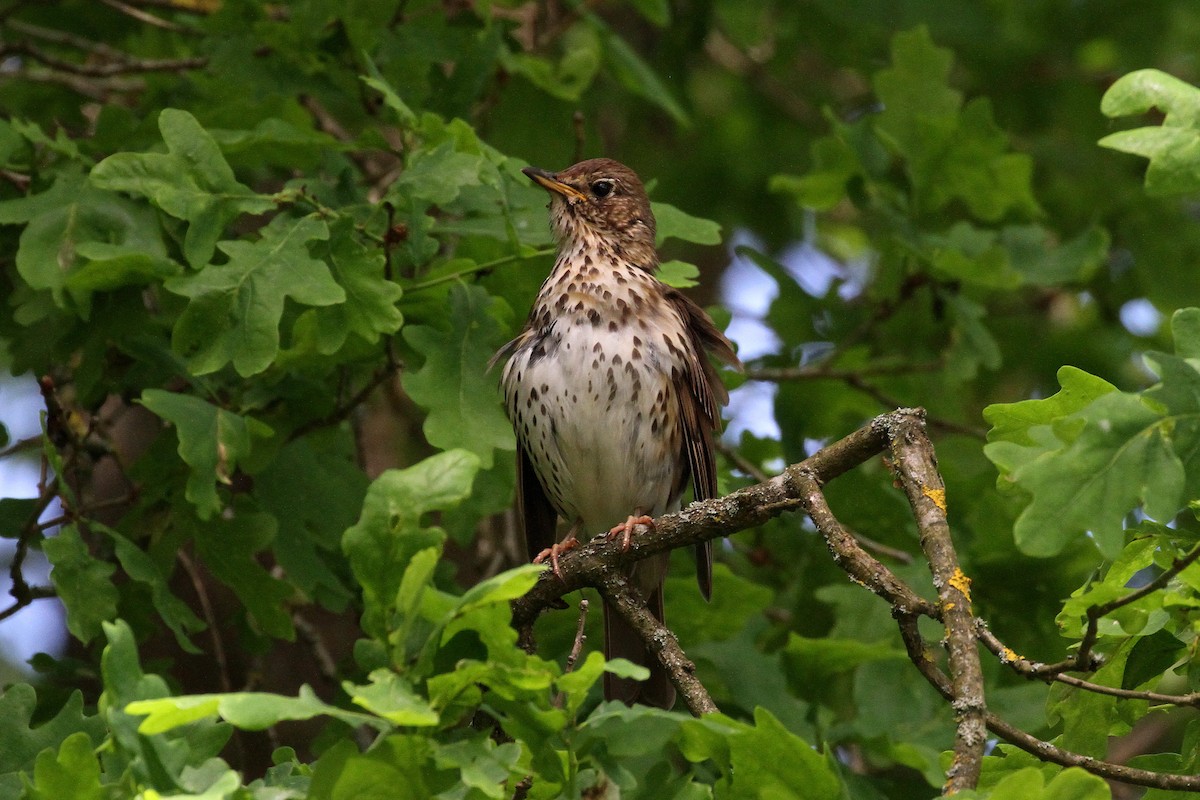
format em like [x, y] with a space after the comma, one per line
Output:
[916, 466]
[659, 639]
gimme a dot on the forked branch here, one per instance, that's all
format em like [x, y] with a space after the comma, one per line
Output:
[901, 436]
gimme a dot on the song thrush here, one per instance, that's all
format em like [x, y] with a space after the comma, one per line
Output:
[611, 393]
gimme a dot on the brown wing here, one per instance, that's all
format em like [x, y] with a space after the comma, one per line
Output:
[537, 514]
[700, 411]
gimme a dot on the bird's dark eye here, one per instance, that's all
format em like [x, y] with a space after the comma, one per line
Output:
[602, 188]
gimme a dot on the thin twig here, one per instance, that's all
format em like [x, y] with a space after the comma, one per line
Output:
[576, 648]
[856, 379]
[326, 664]
[580, 637]
[484, 267]
[210, 619]
[145, 16]
[125, 66]
[1044, 751]
[340, 413]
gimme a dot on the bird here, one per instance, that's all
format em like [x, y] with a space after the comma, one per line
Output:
[613, 398]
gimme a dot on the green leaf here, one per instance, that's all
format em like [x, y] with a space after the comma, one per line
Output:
[211, 442]
[370, 308]
[391, 697]
[508, 585]
[82, 581]
[657, 12]
[191, 181]
[950, 154]
[1150, 657]
[396, 768]
[390, 97]
[974, 344]
[977, 169]
[236, 307]
[251, 711]
[15, 514]
[454, 384]
[1012, 422]
[21, 741]
[439, 174]
[228, 545]
[389, 532]
[675, 224]
[735, 599]
[768, 760]
[139, 566]
[569, 77]
[919, 108]
[1121, 457]
[1185, 327]
[482, 765]
[1041, 262]
[316, 491]
[1028, 783]
[812, 663]
[83, 239]
[679, 274]
[823, 187]
[73, 772]
[1174, 148]
[1086, 470]
[635, 74]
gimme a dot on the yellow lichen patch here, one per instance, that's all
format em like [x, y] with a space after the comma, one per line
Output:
[1009, 656]
[938, 496]
[960, 581]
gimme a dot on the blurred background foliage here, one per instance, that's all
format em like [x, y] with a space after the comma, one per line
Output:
[914, 212]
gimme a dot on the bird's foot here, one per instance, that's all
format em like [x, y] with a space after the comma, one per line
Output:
[625, 529]
[554, 551]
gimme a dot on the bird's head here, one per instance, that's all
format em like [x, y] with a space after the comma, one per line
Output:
[600, 203]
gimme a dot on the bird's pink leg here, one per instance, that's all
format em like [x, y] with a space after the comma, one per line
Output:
[625, 529]
[557, 549]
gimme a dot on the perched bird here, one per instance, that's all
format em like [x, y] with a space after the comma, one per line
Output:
[613, 398]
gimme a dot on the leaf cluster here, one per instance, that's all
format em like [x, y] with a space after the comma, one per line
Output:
[259, 255]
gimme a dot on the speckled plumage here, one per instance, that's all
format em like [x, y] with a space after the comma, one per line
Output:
[610, 390]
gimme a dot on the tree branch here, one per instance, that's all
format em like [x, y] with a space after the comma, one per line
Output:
[916, 467]
[659, 639]
[900, 433]
[1044, 751]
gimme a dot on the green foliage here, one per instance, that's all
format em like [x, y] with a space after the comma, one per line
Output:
[1173, 148]
[263, 253]
[1090, 455]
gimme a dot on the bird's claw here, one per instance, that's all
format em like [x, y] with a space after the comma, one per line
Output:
[625, 529]
[553, 552]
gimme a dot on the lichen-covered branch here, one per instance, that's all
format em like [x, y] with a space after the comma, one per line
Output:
[901, 435]
[916, 468]
[659, 639]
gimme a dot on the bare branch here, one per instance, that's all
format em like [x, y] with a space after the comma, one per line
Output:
[659, 639]
[917, 469]
[901, 432]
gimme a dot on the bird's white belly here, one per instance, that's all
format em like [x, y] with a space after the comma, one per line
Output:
[602, 432]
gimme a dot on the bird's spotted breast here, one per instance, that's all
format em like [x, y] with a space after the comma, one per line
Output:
[597, 400]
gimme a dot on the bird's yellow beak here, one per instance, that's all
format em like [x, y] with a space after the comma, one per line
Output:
[548, 181]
